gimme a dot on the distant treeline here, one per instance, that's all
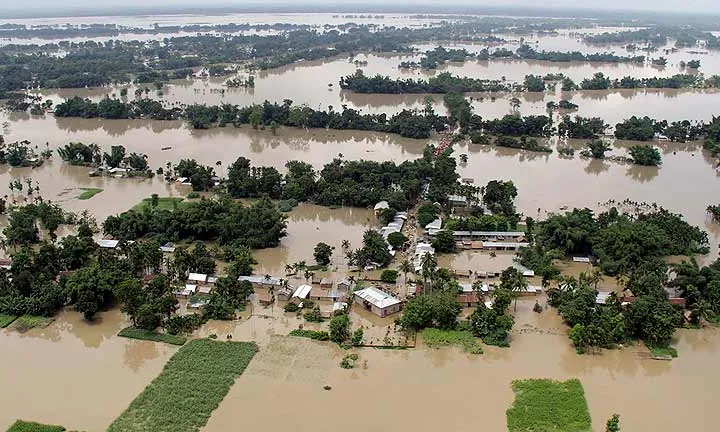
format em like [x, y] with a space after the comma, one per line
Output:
[407, 123]
[439, 56]
[658, 36]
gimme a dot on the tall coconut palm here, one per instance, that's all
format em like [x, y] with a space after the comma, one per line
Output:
[346, 244]
[429, 266]
[406, 267]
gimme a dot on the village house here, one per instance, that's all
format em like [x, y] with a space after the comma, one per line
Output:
[377, 301]
[468, 299]
[301, 293]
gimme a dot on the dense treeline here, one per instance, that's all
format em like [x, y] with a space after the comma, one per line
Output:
[442, 83]
[526, 52]
[439, 56]
[410, 124]
[446, 83]
[348, 183]
[259, 225]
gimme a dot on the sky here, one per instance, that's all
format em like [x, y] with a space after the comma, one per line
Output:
[698, 6]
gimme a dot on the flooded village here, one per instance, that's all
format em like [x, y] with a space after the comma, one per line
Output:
[362, 261]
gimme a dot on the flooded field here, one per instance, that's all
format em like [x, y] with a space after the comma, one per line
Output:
[73, 373]
[284, 383]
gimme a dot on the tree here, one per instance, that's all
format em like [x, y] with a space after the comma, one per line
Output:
[444, 241]
[498, 197]
[534, 83]
[339, 328]
[418, 313]
[406, 267]
[645, 155]
[322, 253]
[512, 280]
[396, 240]
[131, 296]
[375, 248]
[91, 288]
[389, 276]
[597, 148]
[613, 424]
[115, 157]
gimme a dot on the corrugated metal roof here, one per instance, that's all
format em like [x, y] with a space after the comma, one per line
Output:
[377, 297]
[302, 291]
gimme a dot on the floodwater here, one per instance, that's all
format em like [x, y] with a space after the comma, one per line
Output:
[545, 181]
[75, 374]
[309, 82]
[284, 383]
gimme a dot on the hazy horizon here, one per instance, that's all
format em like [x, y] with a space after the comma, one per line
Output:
[87, 7]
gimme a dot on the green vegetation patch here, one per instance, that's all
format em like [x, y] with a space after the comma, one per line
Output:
[191, 386]
[667, 351]
[436, 338]
[25, 426]
[312, 334]
[88, 193]
[165, 203]
[137, 333]
[6, 320]
[543, 405]
[26, 322]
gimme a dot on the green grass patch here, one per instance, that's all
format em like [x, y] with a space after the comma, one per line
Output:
[191, 386]
[137, 333]
[312, 334]
[166, 203]
[6, 320]
[435, 338]
[543, 405]
[24, 426]
[88, 193]
[667, 351]
[26, 322]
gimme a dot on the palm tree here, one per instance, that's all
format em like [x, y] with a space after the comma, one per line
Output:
[515, 103]
[346, 244]
[595, 278]
[288, 269]
[406, 267]
[429, 266]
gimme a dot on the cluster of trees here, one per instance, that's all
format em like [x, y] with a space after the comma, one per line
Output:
[649, 317]
[658, 35]
[201, 177]
[620, 241]
[111, 108]
[442, 83]
[700, 286]
[493, 324]
[645, 155]
[436, 57]
[349, 183]
[601, 82]
[410, 124]
[77, 153]
[528, 53]
[374, 251]
[22, 227]
[581, 127]
[259, 225]
[446, 83]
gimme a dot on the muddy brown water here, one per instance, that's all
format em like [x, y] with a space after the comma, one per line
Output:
[73, 373]
[282, 83]
[425, 389]
[545, 181]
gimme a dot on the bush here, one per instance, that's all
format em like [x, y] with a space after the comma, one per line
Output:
[339, 328]
[311, 334]
[287, 205]
[358, 337]
[389, 276]
[291, 307]
[193, 195]
[348, 362]
[314, 315]
[23, 426]
[645, 155]
[182, 324]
